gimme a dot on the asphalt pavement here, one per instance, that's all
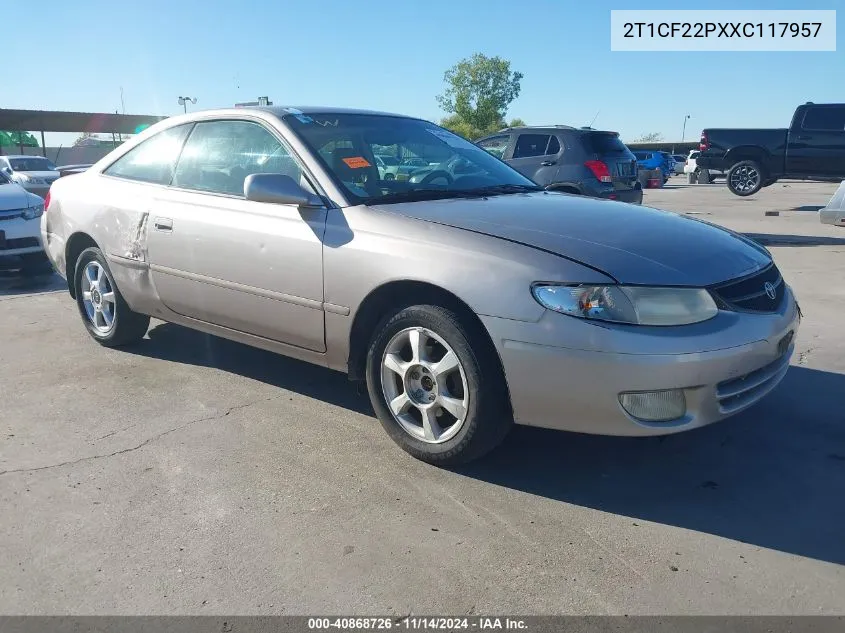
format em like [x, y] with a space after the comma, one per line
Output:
[191, 475]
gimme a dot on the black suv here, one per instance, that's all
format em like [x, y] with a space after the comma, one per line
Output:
[575, 160]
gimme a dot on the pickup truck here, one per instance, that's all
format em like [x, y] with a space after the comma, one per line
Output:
[812, 148]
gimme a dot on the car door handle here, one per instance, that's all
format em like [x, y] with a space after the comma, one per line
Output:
[548, 163]
[163, 224]
[804, 137]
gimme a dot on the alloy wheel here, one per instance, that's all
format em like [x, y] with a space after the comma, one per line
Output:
[424, 385]
[745, 178]
[98, 297]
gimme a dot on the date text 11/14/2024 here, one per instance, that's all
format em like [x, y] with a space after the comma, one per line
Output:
[418, 623]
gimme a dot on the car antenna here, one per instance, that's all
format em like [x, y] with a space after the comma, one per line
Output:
[594, 120]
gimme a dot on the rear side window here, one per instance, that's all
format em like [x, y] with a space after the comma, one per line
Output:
[154, 160]
[597, 143]
[495, 145]
[219, 156]
[829, 119]
[528, 145]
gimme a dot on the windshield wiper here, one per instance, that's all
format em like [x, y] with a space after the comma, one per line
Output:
[495, 190]
[419, 195]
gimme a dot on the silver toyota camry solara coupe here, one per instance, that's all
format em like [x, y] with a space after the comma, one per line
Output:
[467, 297]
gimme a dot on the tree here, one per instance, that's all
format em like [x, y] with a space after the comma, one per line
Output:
[651, 137]
[460, 127]
[479, 90]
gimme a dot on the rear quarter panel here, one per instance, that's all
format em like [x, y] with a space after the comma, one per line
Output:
[114, 214]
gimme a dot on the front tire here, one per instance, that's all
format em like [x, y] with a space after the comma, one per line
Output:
[745, 178]
[437, 386]
[106, 315]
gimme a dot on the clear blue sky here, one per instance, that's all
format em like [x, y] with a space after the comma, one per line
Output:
[391, 56]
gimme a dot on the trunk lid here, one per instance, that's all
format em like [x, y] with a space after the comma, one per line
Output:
[609, 149]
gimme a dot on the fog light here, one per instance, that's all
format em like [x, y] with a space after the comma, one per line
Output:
[655, 406]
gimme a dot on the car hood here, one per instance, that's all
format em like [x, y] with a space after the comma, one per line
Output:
[14, 196]
[632, 244]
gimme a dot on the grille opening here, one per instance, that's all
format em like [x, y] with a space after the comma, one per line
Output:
[762, 291]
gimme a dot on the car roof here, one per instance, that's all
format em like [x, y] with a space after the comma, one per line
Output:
[23, 156]
[286, 110]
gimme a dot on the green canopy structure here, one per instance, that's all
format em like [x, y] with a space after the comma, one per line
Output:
[16, 139]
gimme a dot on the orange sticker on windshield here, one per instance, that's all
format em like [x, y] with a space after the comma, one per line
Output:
[356, 162]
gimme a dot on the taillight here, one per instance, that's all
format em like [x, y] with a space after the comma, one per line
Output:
[704, 144]
[599, 169]
[46, 201]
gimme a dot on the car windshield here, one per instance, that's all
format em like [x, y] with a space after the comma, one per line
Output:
[433, 163]
[31, 163]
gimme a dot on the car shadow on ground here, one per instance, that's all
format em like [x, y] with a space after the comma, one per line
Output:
[779, 239]
[12, 284]
[772, 476]
[183, 345]
[808, 207]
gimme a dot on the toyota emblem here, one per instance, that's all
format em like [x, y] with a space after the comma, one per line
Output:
[770, 290]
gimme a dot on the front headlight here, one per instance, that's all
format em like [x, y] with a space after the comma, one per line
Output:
[636, 305]
[33, 180]
[33, 212]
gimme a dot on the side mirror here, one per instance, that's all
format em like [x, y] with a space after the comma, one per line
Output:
[278, 189]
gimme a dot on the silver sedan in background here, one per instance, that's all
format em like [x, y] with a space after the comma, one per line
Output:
[467, 300]
[33, 173]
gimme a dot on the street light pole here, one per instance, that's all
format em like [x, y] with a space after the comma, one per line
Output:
[684, 131]
[183, 101]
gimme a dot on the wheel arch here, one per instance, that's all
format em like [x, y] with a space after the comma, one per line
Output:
[748, 152]
[76, 243]
[393, 296]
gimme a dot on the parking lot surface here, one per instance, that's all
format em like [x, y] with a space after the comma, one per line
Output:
[189, 474]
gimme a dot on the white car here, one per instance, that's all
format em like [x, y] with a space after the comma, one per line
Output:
[834, 212]
[33, 173]
[20, 227]
[690, 167]
[388, 167]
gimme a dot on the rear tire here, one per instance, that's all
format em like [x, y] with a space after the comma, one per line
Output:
[106, 315]
[745, 178]
[446, 404]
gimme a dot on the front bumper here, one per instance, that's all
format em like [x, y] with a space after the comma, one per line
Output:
[834, 212]
[19, 237]
[723, 367]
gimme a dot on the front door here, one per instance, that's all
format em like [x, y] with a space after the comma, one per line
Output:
[817, 148]
[215, 256]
